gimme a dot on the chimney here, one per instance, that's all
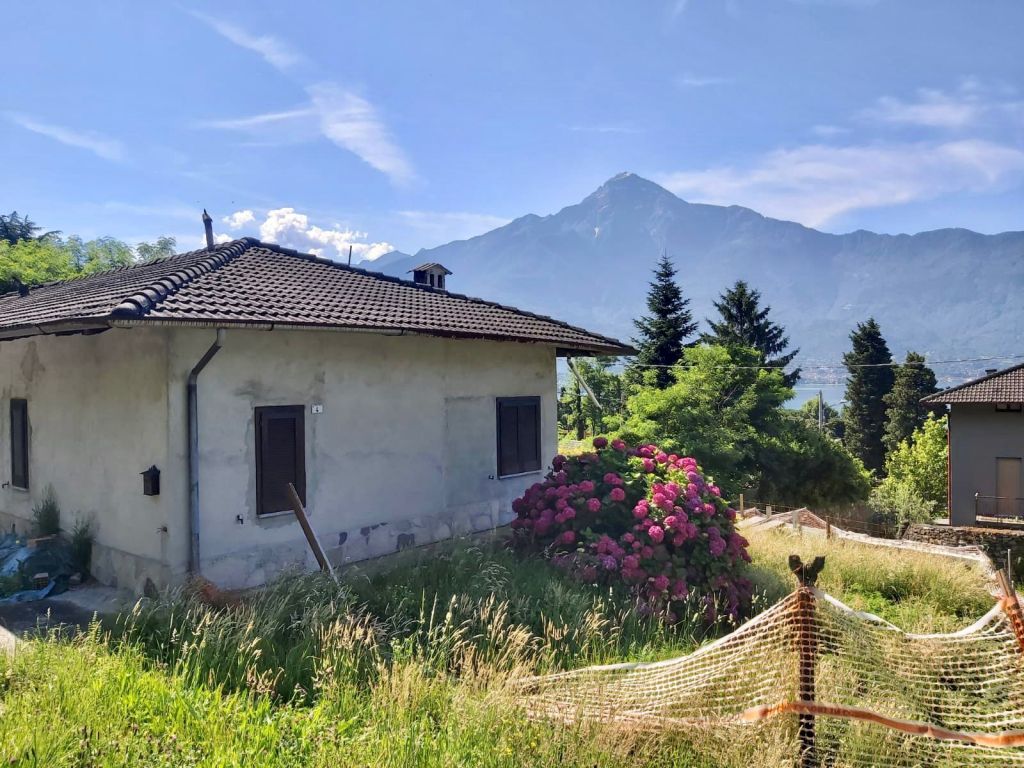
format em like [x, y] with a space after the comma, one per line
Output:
[432, 275]
[208, 224]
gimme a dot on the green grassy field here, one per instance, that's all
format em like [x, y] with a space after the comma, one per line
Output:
[409, 667]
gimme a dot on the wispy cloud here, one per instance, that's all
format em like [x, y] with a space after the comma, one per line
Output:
[816, 184]
[352, 122]
[625, 128]
[275, 52]
[101, 146]
[690, 80]
[828, 131]
[969, 104]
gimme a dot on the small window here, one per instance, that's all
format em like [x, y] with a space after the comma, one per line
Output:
[1008, 407]
[280, 457]
[440, 281]
[19, 443]
[518, 435]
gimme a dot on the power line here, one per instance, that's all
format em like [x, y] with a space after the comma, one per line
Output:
[833, 366]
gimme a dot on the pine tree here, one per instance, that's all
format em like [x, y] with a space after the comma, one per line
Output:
[662, 333]
[869, 380]
[912, 381]
[745, 323]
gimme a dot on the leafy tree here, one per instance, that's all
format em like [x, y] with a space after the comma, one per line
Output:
[161, 249]
[745, 323]
[717, 409]
[804, 466]
[833, 419]
[662, 333]
[869, 380]
[920, 462]
[897, 506]
[912, 381]
[15, 228]
[31, 262]
[577, 413]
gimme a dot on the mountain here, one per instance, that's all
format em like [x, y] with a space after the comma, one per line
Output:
[948, 293]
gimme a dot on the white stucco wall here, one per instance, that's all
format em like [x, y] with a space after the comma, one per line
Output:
[98, 417]
[978, 434]
[403, 454]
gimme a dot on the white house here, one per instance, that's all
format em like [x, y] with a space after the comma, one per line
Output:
[403, 413]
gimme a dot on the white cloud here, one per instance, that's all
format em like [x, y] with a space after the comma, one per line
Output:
[437, 227]
[276, 53]
[690, 80]
[101, 146]
[971, 103]
[351, 122]
[292, 229]
[815, 184]
[239, 219]
[827, 131]
[341, 116]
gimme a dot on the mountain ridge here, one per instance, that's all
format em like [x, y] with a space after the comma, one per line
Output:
[947, 291]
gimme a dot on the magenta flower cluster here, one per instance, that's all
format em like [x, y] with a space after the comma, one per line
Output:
[643, 518]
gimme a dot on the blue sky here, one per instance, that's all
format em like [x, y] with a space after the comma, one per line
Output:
[406, 125]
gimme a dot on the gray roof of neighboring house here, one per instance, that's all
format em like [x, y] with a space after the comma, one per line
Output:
[247, 282]
[431, 265]
[1006, 386]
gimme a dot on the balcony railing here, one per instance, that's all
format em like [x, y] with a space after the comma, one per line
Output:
[998, 506]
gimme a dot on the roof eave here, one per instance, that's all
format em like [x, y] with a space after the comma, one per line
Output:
[59, 328]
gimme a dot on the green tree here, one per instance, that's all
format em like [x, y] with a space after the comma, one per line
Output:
[912, 381]
[833, 418]
[717, 409]
[921, 462]
[160, 249]
[577, 413]
[869, 380]
[663, 331]
[15, 228]
[31, 262]
[745, 323]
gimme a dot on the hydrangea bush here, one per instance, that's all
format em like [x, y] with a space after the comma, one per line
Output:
[643, 518]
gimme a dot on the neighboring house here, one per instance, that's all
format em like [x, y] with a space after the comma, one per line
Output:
[403, 414]
[986, 446]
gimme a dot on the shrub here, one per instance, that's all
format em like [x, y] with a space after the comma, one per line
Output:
[640, 518]
[82, 536]
[46, 514]
[897, 504]
[920, 463]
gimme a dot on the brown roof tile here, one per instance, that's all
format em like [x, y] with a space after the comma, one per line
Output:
[246, 281]
[1006, 386]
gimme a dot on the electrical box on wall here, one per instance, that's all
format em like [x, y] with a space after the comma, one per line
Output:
[151, 481]
[317, 408]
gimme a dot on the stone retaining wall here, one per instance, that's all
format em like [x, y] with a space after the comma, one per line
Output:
[995, 541]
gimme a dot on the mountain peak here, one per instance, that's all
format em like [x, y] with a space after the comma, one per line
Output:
[627, 184]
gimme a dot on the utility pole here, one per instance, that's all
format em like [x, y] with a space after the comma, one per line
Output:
[821, 412]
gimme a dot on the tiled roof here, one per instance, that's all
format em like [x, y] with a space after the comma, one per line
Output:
[249, 282]
[1006, 386]
[431, 265]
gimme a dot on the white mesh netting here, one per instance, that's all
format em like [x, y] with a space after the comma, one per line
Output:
[849, 688]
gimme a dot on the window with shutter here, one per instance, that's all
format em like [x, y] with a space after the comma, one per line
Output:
[280, 457]
[19, 443]
[518, 435]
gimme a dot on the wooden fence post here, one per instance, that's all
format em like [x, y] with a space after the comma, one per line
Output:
[807, 652]
[1011, 605]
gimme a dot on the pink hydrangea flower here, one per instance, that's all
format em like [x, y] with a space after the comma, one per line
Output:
[661, 582]
[618, 445]
[648, 465]
[657, 533]
[618, 494]
[594, 505]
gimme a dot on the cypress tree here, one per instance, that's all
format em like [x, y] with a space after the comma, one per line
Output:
[913, 380]
[869, 380]
[745, 323]
[663, 331]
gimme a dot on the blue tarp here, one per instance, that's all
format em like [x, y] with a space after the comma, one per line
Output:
[22, 562]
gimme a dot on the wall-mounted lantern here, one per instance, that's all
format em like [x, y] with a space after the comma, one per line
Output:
[151, 481]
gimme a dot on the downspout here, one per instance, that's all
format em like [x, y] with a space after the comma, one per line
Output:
[193, 451]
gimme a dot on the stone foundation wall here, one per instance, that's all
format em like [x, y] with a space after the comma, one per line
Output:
[995, 541]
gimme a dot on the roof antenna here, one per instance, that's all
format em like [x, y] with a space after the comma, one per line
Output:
[350, 255]
[208, 224]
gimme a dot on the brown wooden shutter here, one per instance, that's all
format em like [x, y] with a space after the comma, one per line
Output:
[280, 456]
[19, 443]
[518, 435]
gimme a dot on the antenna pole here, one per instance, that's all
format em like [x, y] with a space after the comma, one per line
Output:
[350, 255]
